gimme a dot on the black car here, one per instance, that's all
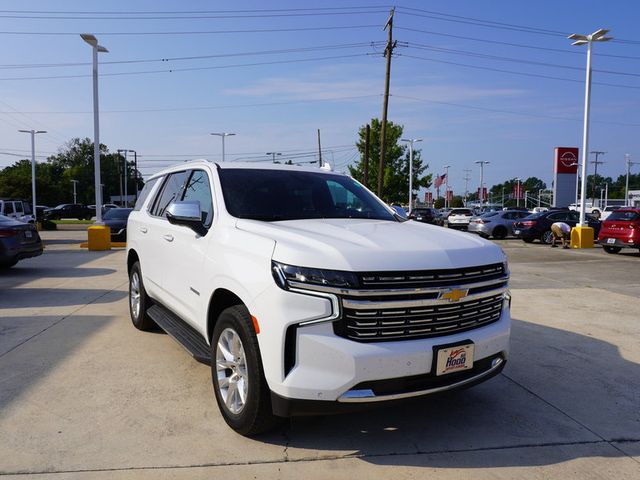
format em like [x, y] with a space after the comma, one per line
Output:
[18, 240]
[537, 226]
[424, 215]
[69, 210]
[116, 220]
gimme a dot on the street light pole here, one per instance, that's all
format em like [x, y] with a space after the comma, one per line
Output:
[93, 41]
[597, 36]
[33, 166]
[410, 141]
[482, 164]
[75, 182]
[627, 159]
[595, 175]
[518, 192]
[223, 135]
[135, 172]
[446, 186]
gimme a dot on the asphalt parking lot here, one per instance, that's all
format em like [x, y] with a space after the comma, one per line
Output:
[85, 395]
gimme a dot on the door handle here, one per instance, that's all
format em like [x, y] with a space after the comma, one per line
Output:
[168, 238]
[144, 229]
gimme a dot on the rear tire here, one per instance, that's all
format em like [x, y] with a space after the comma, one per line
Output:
[611, 249]
[499, 233]
[139, 301]
[547, 237]
[237, 374]
[527, 240]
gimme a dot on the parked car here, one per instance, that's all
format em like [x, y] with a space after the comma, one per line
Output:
[590, 208]
[17, 209]
[306, 294]
[69, 210]
[537, 226]
[424, 215]
[116, 220]
[18, 240]
[621, 230]
[459, 218]
[606, 211]
[496, 224]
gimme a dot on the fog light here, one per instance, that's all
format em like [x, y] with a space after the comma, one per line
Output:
[507, 298]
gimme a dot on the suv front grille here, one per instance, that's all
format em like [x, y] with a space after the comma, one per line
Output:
[368, 325]
[431, 278]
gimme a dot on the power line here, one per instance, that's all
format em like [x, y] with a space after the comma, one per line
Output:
[520, 45]
[196, 57]
[171, 12]
[513, 72]
[197, 32]
[512, 112]
[191, 69]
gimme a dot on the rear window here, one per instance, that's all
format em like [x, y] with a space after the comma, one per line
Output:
[489, 214]
[624, 216]
[461, 211]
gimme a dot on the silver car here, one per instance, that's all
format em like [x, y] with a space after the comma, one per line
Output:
[496, 224]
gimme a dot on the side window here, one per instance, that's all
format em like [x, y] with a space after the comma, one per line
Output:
[574, 216]
[171, 190]
[146, 190]
[509, 216]
[343, 198]
[198, 188]
[8, 208]
[18, 207]
[555, 217]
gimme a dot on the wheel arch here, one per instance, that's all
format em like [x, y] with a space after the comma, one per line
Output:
[132, 257]
[221, 299]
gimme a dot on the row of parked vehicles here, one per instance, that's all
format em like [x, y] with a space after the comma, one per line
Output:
[614, 227]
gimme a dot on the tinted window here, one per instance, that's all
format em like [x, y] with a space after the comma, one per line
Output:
[272, 195]
[117, 214]
[558, 216]
[624, 216]
[170, 192]
[8, 208]
[490, 214]
[18, 207]
[146, 190]
[461, 211]
[198, 188]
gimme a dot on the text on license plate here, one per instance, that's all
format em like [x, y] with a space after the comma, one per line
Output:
[516, 232]
[454, 359]
[28, 234]
[611, 240]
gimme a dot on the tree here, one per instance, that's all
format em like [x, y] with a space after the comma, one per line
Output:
[396, 172]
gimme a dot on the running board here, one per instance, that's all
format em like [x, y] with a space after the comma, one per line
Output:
[183, 333]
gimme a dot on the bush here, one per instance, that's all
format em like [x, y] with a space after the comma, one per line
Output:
[49, 225]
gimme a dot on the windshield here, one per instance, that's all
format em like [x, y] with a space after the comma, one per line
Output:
[274, 195]
[489, 214]
[117, 214]
[624, 216]
[60, 206]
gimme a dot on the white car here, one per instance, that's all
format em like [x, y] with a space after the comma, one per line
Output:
[459, 218]
[589, 208]
[306, 295]
[606, 211]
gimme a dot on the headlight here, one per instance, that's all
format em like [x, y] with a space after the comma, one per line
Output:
[285, 275]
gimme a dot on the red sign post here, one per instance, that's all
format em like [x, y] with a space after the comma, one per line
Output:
[428, 197]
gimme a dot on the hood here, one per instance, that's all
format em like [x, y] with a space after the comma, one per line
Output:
[367, 245]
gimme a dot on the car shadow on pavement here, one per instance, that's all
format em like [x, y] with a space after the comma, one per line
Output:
[59, 272]
[566, 391]
[58, 297]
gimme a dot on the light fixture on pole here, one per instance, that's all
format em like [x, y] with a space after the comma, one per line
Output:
[33, 166]
[482, 163]
[273, 155]
[75, 182]
[410, 141]
[628, 162]
[93, 41]
[223, 135]
[597, 36]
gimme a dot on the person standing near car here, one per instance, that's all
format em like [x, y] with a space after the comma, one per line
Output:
[562, 231]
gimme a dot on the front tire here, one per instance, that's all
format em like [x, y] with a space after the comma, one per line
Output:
[139, 301]
[500, 233]
[238, 378]
[611, 249]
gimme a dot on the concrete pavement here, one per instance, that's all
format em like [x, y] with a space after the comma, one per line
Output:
[85, 395]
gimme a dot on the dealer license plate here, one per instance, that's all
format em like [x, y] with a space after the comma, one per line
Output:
[516, 232]
[454, 359]
[611, 240]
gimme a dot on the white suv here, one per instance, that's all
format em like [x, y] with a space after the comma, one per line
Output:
[306, 294]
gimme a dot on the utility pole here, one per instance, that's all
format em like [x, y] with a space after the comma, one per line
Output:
[366, 155]
[410, 141]
[446, 186]
[126, 178]
[467, 177]
[119, 179]
[273, 155]
[482, 163]
[627, 159]
[595, 174]
[319, 151]
[518, 192]
[33, 134]
[388, 52]
[135, 171]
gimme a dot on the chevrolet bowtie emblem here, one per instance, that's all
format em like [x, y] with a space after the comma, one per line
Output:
[453, 295]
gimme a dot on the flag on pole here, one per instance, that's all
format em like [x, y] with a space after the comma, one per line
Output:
[440, 179]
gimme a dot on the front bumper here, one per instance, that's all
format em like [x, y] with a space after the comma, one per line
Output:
[334, 370]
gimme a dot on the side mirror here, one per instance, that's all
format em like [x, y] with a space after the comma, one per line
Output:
[187, 214]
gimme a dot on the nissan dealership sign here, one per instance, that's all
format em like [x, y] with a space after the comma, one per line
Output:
[565, 169]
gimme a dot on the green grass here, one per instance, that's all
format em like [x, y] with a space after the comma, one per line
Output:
[73, 222]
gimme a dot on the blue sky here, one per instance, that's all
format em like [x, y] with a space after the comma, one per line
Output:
[445, 89]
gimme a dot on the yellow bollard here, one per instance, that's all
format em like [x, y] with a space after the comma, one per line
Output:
[582, 237]
[99, 237]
